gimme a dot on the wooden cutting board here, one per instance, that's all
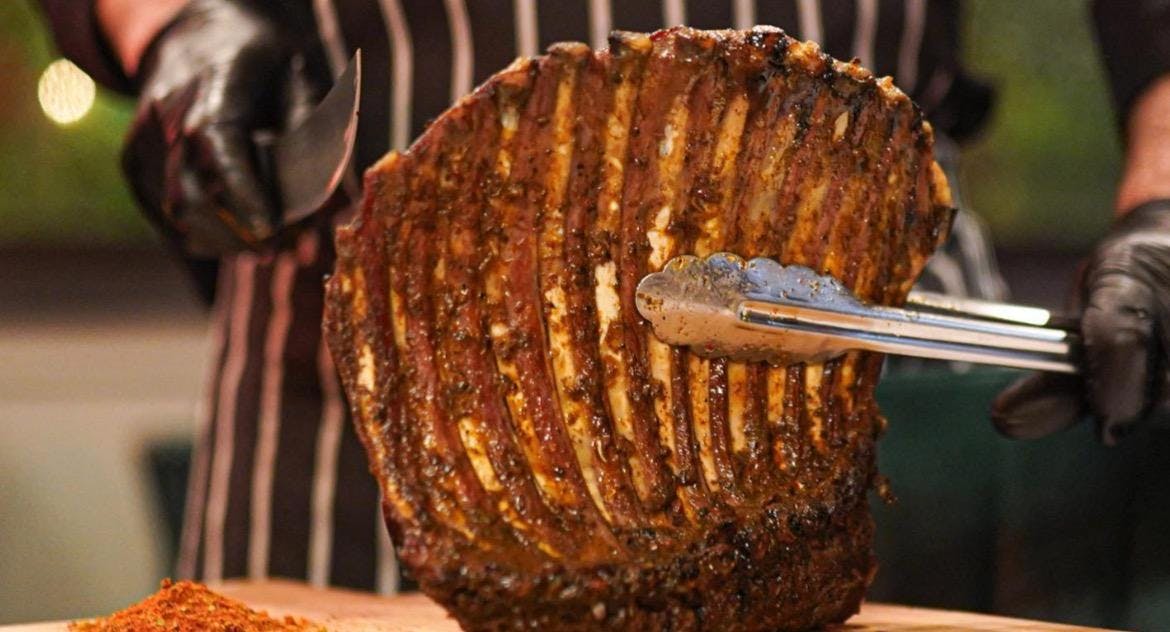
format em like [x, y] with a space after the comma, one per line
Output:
[346, 611]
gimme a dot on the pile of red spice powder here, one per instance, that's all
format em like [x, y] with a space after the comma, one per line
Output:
[190, 607]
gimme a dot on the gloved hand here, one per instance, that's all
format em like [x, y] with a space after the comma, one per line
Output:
[1124, 298]
[220, 73]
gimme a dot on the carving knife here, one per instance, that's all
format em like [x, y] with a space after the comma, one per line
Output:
[307, 164]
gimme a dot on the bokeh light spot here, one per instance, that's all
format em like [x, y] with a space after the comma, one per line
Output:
[65, 92]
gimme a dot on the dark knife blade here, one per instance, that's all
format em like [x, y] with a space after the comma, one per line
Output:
[310, 161]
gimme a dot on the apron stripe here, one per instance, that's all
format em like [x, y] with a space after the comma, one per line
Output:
[674, 13]
[600, 23]
[301, 404]
[389, 578]
[229, 387]
[809, 15]
[865, 31]
[197, 483]
[910, 44]
[745, 14]
[527, 37]
[237, 526]
[463, 64]
[403, 73]
[260, 529]
[325, 471]
[329, 31]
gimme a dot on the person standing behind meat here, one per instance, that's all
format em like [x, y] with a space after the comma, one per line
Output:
[279, 484]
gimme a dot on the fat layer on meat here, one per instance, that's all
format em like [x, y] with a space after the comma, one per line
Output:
[544, 461]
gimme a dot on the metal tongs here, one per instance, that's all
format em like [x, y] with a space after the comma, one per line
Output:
[724, 306]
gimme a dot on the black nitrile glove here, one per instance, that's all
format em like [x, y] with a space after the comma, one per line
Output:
[221, 75]
[1124, 296]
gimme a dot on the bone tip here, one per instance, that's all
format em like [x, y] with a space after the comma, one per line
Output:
[622, 42]
[572, 50]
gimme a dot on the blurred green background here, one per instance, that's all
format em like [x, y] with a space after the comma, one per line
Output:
[1042, 173]
[60, 185]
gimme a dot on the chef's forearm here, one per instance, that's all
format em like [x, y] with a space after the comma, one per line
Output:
[1147, 158]
[130, 25]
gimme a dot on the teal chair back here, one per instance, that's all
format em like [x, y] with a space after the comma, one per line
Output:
[1059, 529]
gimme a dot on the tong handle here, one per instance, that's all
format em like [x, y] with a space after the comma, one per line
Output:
[941, 334]
[987, 310]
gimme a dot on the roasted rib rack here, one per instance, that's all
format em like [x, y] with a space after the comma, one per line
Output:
[545, 462]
